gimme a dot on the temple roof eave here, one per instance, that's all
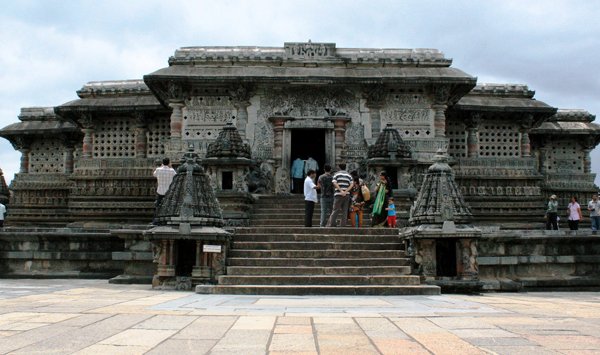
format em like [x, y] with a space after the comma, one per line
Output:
[338, 74]
[38, 128]
[110, 104]
[503, 104]
[567, 128]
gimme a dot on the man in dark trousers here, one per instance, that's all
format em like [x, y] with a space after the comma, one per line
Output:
[310, 197]
[325, 184]
[342, 181]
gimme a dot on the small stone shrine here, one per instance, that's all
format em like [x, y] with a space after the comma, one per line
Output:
[440, 240]
[228, 163]
[189, 244]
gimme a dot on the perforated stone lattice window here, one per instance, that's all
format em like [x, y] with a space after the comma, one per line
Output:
[565, 156]
[457, 139]
[498, 140]
[46, 156]
[423, 132]
[158, 134]
[114, 138]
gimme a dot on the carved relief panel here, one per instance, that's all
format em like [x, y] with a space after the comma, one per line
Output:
[204, 116]
[410, 113]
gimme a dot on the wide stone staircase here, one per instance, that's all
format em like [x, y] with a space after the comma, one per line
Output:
[277, 256]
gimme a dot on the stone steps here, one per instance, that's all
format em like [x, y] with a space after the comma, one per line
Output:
[300, 290]
[317, 253]
[320, 262]
[314, 270]
[317, 245]
[319, 280]
[277, 256]
[343, 238]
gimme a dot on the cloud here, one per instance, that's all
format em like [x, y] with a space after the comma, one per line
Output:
[51, 48]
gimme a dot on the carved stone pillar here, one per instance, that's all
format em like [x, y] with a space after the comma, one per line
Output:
[176, 118]
[440, 95]
[587, 162]
[439, 120]
[282, 174]
[141, 132]
[88, 143]
[472, 125]
[69, 160]
[340, 135]
[87, 124]
[468, 267]
[527, 122]
[375, 101]
[24, 168]
[241, 100]
[543, 163]
[278, 123]
[525, 144]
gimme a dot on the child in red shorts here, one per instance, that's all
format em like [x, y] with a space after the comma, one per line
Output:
[391, 208]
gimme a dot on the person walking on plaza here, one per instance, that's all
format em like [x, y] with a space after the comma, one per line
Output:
[342, 181]
[383, 192]
[574, 213]
[310, 197]
[164, 176]
[325, 184]
[552, 214]
[357, 201]
[2, 214]
[594, 208]
[391, 213]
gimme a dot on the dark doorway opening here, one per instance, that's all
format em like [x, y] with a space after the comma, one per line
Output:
[186, 257]
[392, 173]
[309, 143]
[227, 180]
[445, 257]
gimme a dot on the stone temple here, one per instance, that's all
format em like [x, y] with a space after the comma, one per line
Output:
[248, 112]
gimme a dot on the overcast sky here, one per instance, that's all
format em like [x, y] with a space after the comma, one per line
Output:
[49, 49]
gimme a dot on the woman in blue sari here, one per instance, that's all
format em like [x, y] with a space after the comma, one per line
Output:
[383, 192]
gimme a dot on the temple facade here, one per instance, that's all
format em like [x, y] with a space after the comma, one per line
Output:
[90, 160]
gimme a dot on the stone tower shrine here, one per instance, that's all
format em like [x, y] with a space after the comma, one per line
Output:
[89, 161]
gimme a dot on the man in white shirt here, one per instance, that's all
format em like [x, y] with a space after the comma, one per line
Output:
[164, 175]
[2, 213]
[594, 208]
[310, 197]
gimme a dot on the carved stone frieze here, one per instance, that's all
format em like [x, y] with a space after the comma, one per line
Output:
[307, 102]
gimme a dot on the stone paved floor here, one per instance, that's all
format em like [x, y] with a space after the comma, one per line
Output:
[93, 317]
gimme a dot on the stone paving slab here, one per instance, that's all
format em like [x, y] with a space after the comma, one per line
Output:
[94, 317]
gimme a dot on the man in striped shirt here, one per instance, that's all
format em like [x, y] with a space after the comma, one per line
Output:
[342, 181]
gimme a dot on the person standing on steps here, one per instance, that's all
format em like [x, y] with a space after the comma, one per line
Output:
[2, 214]
[164, 176]
[310, 197]
[342, 181]
[552, 214]
[297, 175]
[383, 192]
[325, 184]
[357, 201]
[594, 208]
[574, 214]
[391, 213]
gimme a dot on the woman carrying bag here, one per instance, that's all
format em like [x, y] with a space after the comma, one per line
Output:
[383, 192]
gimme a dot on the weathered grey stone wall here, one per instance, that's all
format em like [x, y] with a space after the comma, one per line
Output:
[515, 260]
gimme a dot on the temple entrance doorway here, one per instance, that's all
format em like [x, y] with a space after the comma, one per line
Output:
[308, 143]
